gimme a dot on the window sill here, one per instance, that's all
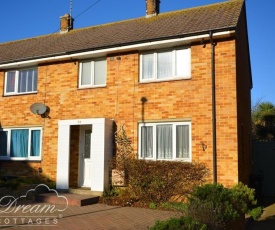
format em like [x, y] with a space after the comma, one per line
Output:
[19, 94]
[179, 159]
[91, 87]
[163, 80]
[20, 159]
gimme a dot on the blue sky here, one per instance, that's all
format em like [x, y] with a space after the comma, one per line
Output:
[24, 19]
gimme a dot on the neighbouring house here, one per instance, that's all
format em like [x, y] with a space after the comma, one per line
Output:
[178, 81]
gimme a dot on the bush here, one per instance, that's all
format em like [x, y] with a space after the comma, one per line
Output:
[185, 223]
[160, 181]
[215, 205]
[17, 182]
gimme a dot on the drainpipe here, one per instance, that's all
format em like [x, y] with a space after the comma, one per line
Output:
[214, 130]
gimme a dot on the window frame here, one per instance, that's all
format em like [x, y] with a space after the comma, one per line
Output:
[16, 86]
[174, 66]
[174, 142]
[92, 62]
[29, 157]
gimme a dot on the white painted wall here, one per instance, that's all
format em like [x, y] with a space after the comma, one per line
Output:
[62, 177]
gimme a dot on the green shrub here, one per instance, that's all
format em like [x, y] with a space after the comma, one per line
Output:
[255, 213]
[153, 205]
[17, 182]
[174, 206]
[215, 205]
[185, 223]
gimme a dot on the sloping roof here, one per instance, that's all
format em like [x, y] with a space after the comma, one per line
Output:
[220, 16]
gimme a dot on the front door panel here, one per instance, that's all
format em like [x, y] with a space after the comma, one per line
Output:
[85, 156]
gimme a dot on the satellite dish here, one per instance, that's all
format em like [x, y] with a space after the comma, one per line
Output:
[38, 108]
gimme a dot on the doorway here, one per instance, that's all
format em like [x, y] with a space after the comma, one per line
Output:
[95, 169]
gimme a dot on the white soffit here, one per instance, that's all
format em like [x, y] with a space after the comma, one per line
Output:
[103, 52]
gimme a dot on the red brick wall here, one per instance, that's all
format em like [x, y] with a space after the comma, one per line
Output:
[121, 100]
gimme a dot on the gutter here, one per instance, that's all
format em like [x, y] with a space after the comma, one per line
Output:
[214, 126]
[98, 52]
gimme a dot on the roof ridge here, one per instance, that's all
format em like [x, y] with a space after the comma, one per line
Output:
[159, 16]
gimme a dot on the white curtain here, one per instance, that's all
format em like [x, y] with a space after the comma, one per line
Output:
[10, 81]
[147, 66]
[182, 132]
[147, 141]
[164, 63]
[86, 73]
[164, 141]
[183, 63]
[100, 72]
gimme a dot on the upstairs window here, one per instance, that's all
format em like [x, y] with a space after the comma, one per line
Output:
[165, 65]
[93, 73]
[21, 81]
[165, 141]
[20, 144]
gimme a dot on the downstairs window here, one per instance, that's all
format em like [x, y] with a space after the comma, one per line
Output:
[20, 144]
[165, 141]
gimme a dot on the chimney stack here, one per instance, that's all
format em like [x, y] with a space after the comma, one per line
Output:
[152, 7]
[66, 23]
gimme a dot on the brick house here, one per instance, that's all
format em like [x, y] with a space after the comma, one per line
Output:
[179, 82]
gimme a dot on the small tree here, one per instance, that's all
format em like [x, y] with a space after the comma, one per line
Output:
[263, 121]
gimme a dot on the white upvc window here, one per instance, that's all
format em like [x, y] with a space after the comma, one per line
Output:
[93, 73]
[165, 65]
[21, 81]
[165, 141]
[20, 143]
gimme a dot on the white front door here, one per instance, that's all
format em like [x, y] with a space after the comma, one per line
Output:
[85, 166]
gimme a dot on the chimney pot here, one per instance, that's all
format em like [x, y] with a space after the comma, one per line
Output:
[66, 23]
[152, 7]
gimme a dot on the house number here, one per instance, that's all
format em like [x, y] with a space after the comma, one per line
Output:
[79, 122]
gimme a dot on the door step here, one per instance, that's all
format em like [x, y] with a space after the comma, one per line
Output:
[67, 198]
[84, 191]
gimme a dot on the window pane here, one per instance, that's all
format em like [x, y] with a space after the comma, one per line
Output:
[164, 141]
[22, 81]
[19, 143]
[183, 63]
[35, 143]
[164, 65]
[31, 80]
[147, 66]
[34, 80]
[100, 72]
[147, 141]
[182, 132]
[27, 81]
[10, 87]
[87, 150]
[3, 143]
[86, 73]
